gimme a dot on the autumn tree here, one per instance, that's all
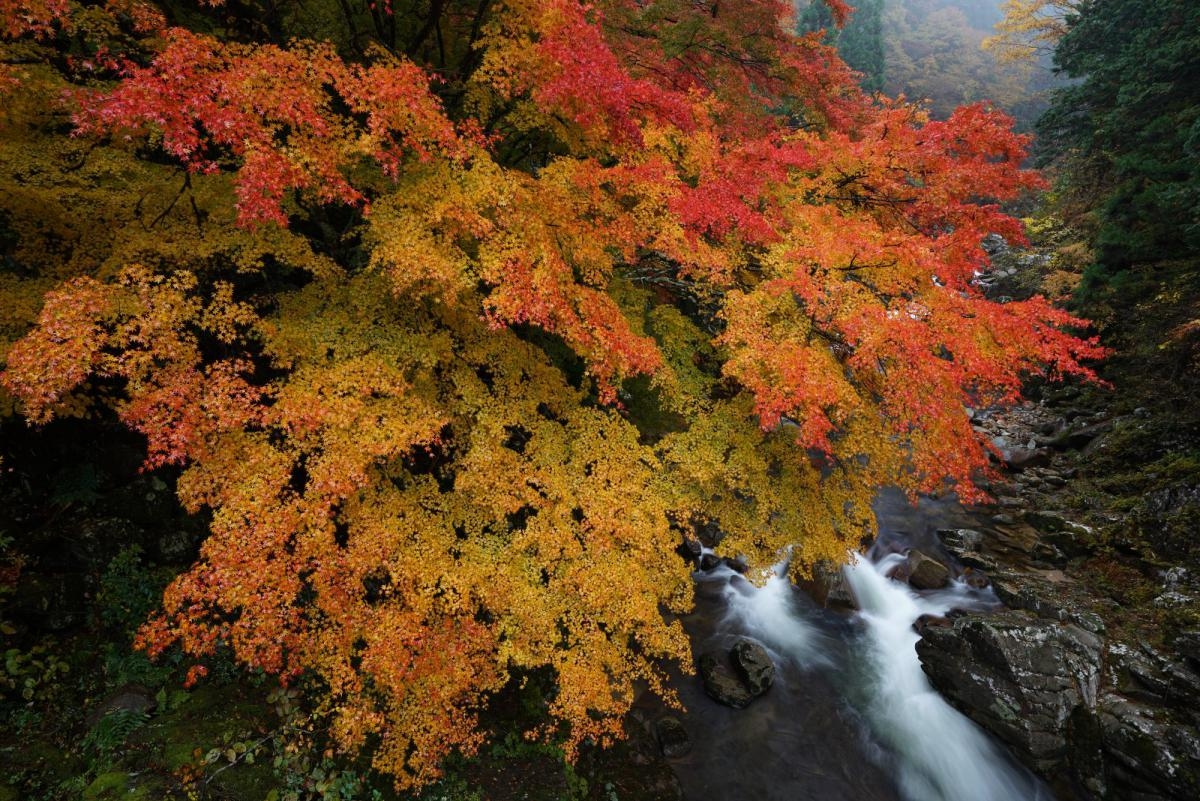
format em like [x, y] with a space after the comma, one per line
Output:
[934, 50]
[1030, 29]
[454, 315]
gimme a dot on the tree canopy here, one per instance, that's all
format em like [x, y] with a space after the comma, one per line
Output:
[454, 315]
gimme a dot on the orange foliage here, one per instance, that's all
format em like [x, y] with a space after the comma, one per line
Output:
[385, 314]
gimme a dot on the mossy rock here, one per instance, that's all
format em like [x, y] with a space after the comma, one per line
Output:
[176, 755]
[114, 784]
[209, 717]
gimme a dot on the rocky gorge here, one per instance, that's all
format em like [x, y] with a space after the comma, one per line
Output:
[1085, 685]
[1089, 672]
[1078, 647]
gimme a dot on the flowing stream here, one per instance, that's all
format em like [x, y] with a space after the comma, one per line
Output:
[936, 753]
[851, 715]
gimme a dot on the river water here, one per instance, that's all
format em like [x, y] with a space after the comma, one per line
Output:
[851, 716]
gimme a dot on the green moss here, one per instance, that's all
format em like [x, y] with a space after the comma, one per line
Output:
[176, 755]
[114, 784]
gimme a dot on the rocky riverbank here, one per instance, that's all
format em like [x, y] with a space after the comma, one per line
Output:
[1090, 672]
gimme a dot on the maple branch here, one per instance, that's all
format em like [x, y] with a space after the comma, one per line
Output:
[435, 13]
[656, 270]
[872, 200]
[196, 213]
[137, 209]
[854, 267]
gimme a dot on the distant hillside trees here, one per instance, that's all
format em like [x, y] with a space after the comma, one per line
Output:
[933, 50]
[1127, 131]
[860, 43]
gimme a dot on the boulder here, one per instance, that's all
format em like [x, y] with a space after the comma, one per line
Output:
[1018, 677]
[925, 572]
[1048, 522]
[722, 684]
[1026, 458]
[1143, 673]
[689, 548]
[673, 739]
[924, 622]
[753, 665]
[1079, 438]
[1018, 590]
[1187, 644]
[960, 540]
[738, 564]
[739, 676]
[828, 588]
[134, 699]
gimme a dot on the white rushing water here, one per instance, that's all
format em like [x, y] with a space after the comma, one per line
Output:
[769, 614]
[936, 752]
[933, 752]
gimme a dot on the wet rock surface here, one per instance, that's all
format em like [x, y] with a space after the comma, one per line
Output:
[1077, 674]
[753, 665]
[672, 737]
[1151, 756]
[737, 677]
[925, 572]
[1018, 676]
[827, 587]
[721, 683]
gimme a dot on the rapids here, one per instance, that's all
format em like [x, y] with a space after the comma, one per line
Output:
[851, 716]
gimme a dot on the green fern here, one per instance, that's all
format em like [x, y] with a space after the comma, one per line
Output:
[111, 731]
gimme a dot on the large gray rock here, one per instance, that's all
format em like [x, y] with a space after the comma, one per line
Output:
[1019, 677]
[960, 540]
[828, 588]
[738, 677]
[722, 684]
[134, 699]
[1026, 458]
[1187, 644]
[1143, 673]
[1077, 438]
[1149, 755]
[1051, 522]
[925, 572]
[753, 665]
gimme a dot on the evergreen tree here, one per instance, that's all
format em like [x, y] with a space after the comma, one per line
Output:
[859, 42]
[1128, 131]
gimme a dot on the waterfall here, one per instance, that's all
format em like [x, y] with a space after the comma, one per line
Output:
[771, 615]
[936, 752]
[851, 716]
